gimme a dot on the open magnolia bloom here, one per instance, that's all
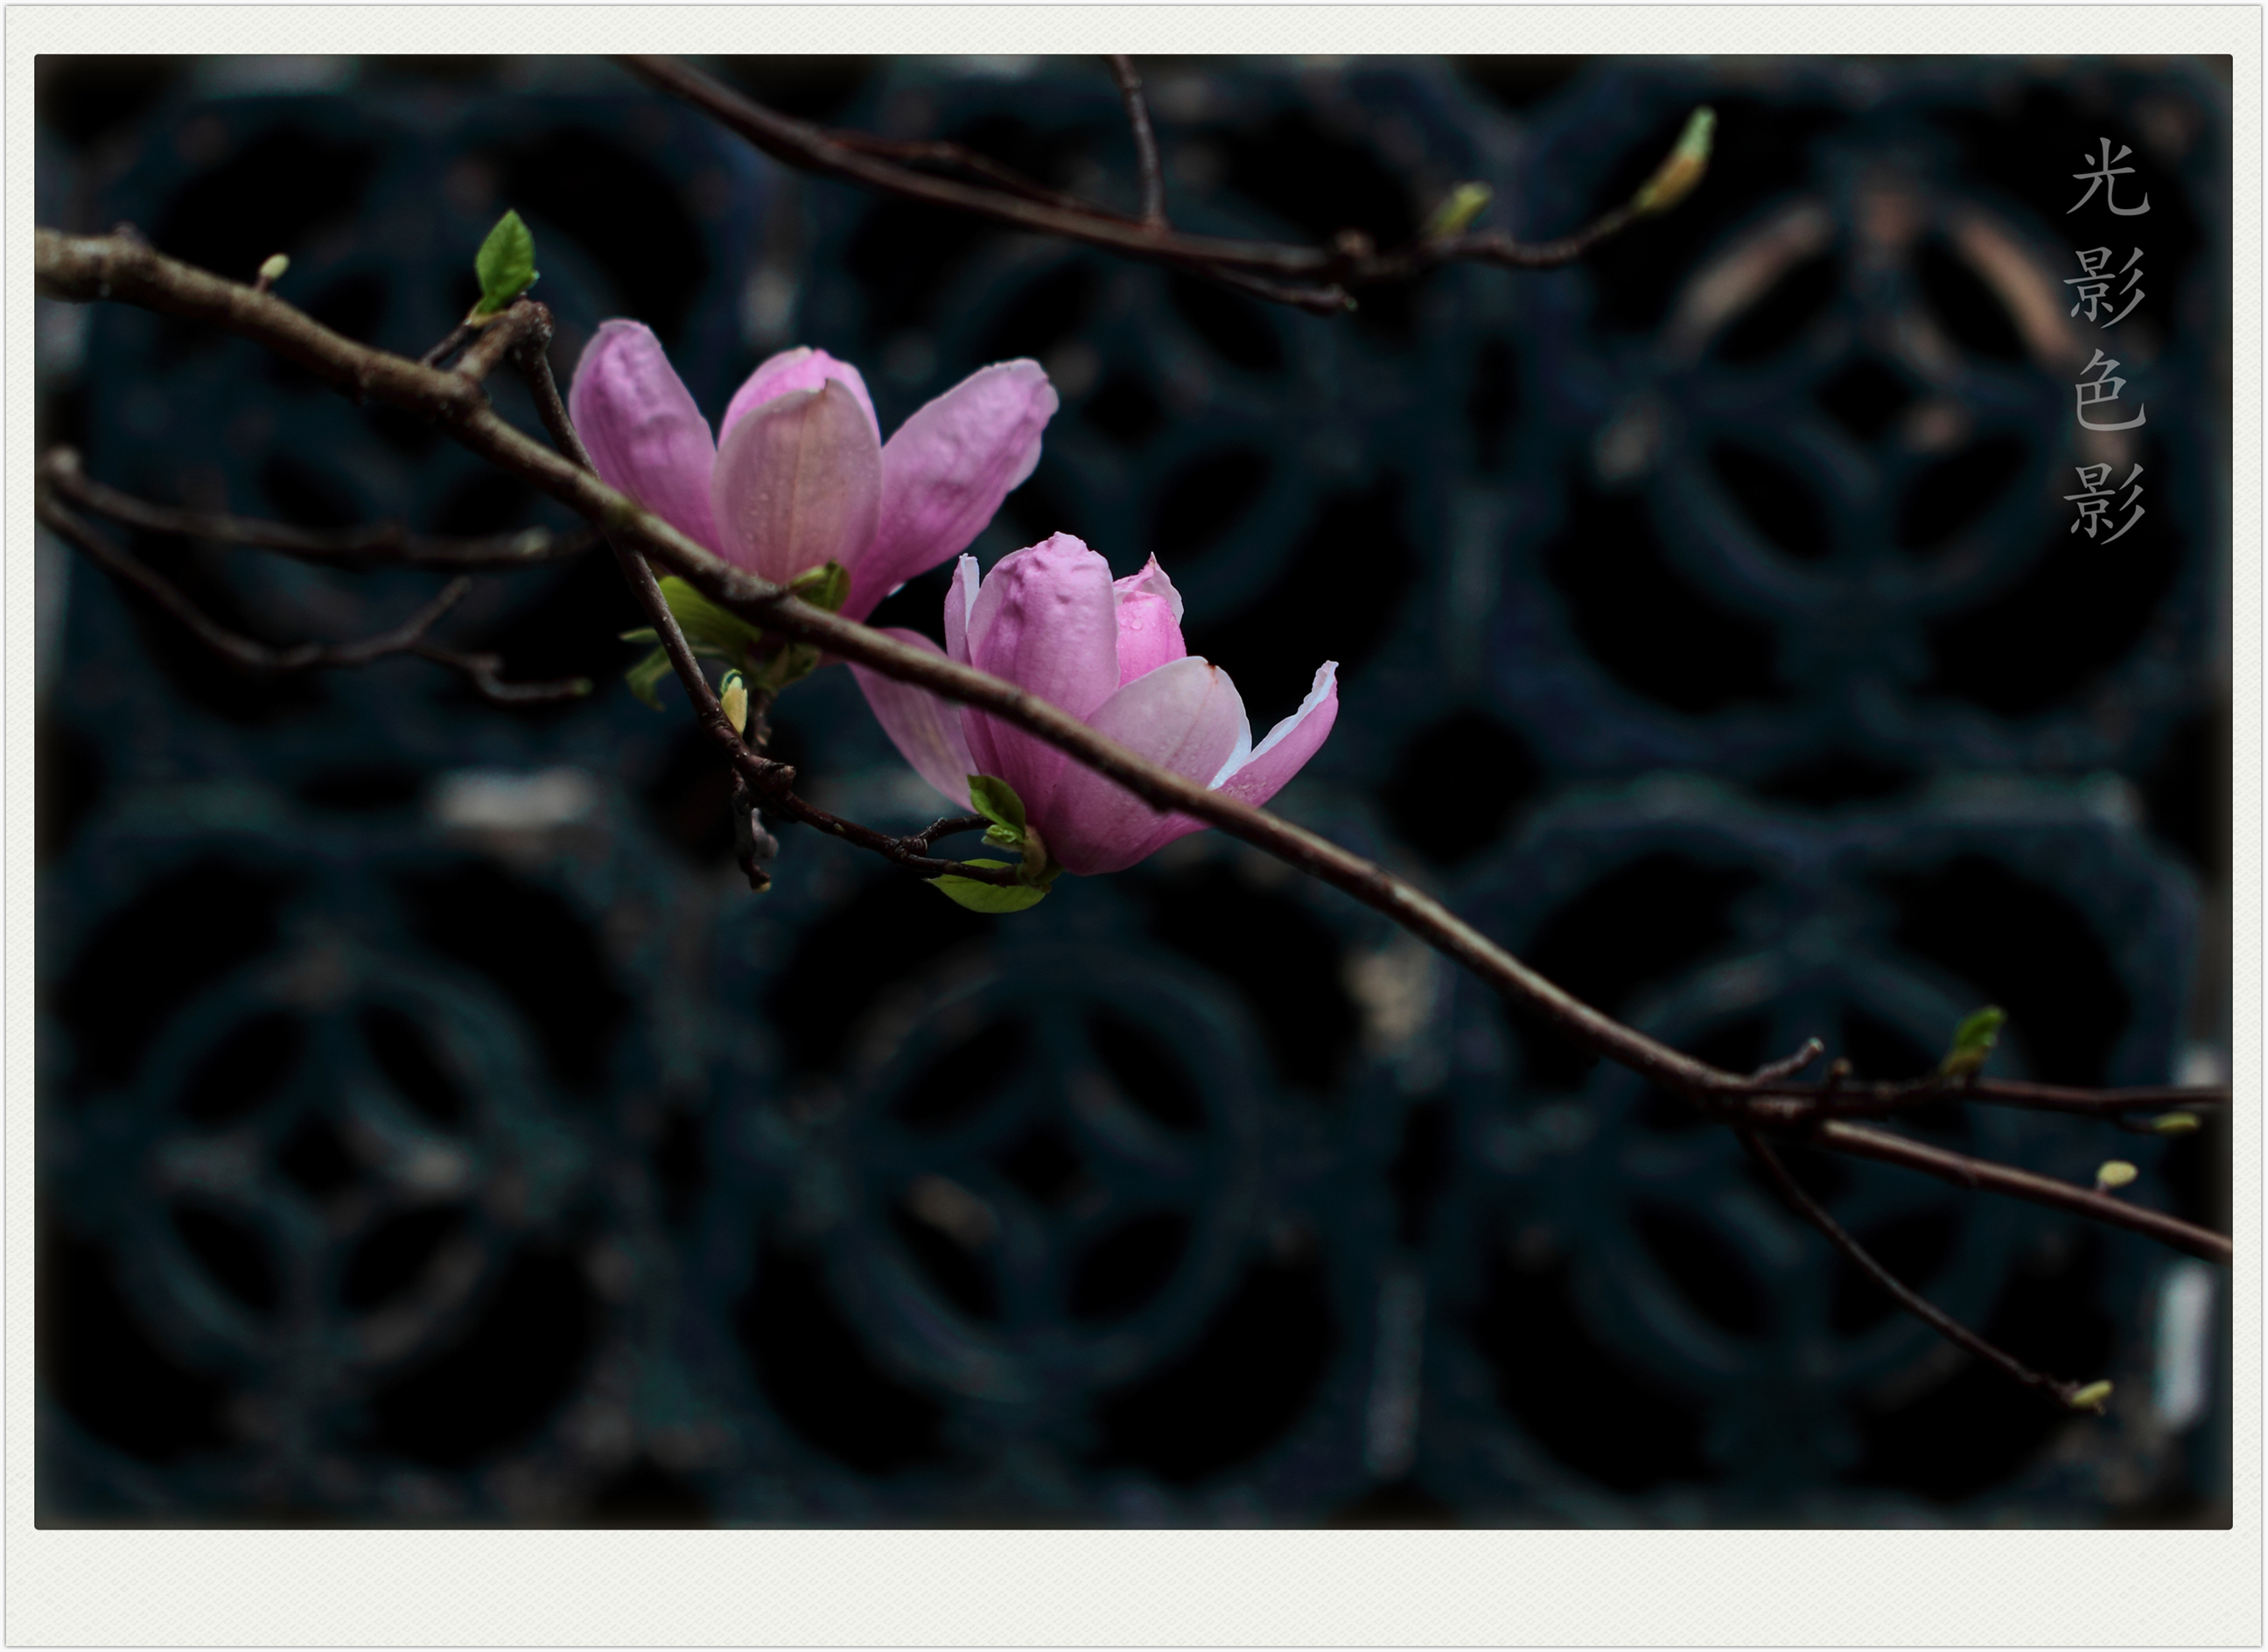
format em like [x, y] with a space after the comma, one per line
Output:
[798, 476]
[1050, 619]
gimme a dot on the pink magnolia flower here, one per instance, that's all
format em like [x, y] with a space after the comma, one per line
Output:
[1050, 618]
[798, 476]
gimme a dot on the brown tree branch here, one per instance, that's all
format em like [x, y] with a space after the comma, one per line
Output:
[952, 825]
[1912, 1300]
[1315, 278]
[1984, 1176]
[940, 153]
[1839, 1098]
[87, 267]
[909, 852]
[408, 638]
[1145, 141]
[1771, 1072]
[376, 543]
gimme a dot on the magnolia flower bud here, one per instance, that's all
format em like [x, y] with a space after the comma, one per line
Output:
[799, 484]
[1050, 619]
[798, 477]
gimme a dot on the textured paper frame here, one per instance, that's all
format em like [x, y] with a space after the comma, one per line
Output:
[1141, 1588]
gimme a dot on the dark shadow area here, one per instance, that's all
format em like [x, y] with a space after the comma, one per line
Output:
[502, 1382]
[1644, 922]
[818, 1374]
[1644, 623]
[1237, 1392]
[1580, 1403]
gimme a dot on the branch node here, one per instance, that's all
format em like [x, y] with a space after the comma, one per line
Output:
[1789, 1066]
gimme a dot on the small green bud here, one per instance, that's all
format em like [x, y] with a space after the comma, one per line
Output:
[1456, 215]
[2091, 1398]
[1973, 1041]
[1678, 175]
[824, 586]
[506, 264]
[790, 664]
[2114, 1173]
[2175, 1123]
[712, 632]
[996, 802]
[734, 694]
[645, 677]
[272, 270]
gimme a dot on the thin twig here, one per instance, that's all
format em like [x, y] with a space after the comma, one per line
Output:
[1145, 141]
[518, 322]
[950, 827]
[375, 543]
[408, 638]
[1984, 1176]
[904, 852]
[1789, 1065]
[940, 153]
[480, 671]
[457, 337]
[1839, 1098]
[531, 355]
[1936, 1318]
[1312, 277]
[87, 268]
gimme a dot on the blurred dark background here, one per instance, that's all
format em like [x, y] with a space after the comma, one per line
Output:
[434, 1130]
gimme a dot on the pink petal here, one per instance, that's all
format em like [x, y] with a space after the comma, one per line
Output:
[645, 435]
[798, 484]
[1044, 619]
[959, 600]
[1289, 744]
[1151, 581]
[1187, 716]
[946, 471]
[801, 369]
[926, 730]
[1149, 623]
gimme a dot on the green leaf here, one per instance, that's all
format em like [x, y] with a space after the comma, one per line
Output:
[826, 588]
[646, 676]
[988, 897]
[643, 634]
[1682, 170]
[790, 664]
[996, 802]
[506, 264]
[1456, 214]
[716, 633]
[1973, 1041]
